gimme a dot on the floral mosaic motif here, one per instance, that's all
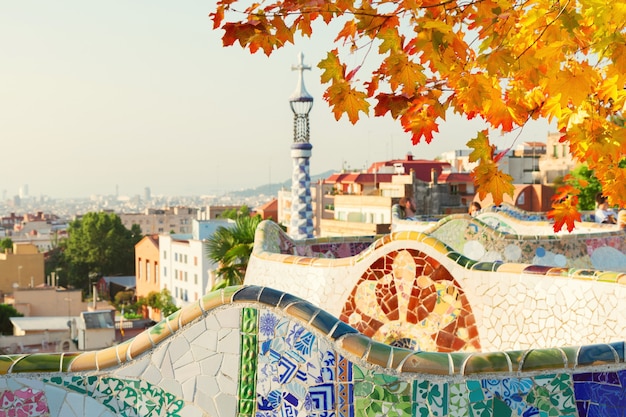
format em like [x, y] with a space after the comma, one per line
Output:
[123, 396]
[23, 402]
[408, 299]
[300, 373]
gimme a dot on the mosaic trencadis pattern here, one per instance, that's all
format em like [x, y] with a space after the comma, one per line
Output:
[493, 240]
[302, 373]
[255, 351]
[408, 299]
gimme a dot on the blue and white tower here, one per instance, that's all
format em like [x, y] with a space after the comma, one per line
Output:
[301, 102]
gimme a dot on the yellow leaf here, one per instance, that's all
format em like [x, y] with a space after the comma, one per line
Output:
[490, 180]
[482, 149]
[333, 70]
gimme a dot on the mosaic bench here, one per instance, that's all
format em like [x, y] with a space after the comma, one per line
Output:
[258, 352]
[410, 289]
[494, 236]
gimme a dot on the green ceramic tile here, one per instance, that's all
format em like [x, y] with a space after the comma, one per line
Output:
[379, 354]
[427, 362]
[38, 362]
[544, 359]
[516, 357]
[248, 360]
[487, 362]
[6, 362]
[67, 359]
[458, 360]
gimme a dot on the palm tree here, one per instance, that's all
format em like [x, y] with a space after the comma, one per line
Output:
[230, 248]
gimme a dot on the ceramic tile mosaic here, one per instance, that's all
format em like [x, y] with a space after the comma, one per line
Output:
[256, 351]
[456, 303]
[408, 299]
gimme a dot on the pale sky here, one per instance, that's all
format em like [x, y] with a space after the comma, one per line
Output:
[142, 94]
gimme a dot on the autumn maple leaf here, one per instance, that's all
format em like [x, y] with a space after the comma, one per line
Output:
[490, 180]
[482, 149]
[564, 212]
[345, 99]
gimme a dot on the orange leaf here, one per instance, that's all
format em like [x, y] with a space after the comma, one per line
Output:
[421, 123]
[391, 103]
[345, 99]
[565, 213]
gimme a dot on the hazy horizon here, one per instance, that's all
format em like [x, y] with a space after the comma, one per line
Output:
[142, 93]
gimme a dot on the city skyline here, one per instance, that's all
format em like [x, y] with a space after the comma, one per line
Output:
[143, 94]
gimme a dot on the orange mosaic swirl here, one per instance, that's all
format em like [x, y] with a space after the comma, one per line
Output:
[408, 299]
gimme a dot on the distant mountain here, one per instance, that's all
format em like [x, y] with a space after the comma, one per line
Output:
[272, 189]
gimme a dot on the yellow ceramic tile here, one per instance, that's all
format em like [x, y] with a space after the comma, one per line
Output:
[357, 344]
[105, 358]
[512, 267]
[85, 362]
[140, 344]
[122, 351]
[190, 313]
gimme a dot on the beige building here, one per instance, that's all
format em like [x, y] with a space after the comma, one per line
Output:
[47, 301]
[557, 162]
[21, 267]
[176, 220]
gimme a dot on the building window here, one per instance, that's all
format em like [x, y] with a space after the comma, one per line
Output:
[175, 256]
[195, 261]
[195, 296]
[147, 271]
[195, 279]
[165, 271]
[185, 276]
[156, 272]
[164, 254]
[185, 259]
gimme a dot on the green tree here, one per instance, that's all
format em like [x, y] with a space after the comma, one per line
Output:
[233, 214]
[231, 247]
[6, 312]
[99, 243]
[6, 243]
[162, 301]
[583, 179]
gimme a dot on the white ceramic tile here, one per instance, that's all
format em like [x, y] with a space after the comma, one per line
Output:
[172, 386]
[152, 374]
[55, 396]
[179, 351]
[187, 371]
[76, 404]
[226, 405]
[191, 411]
[229, 341]
[229, 318]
